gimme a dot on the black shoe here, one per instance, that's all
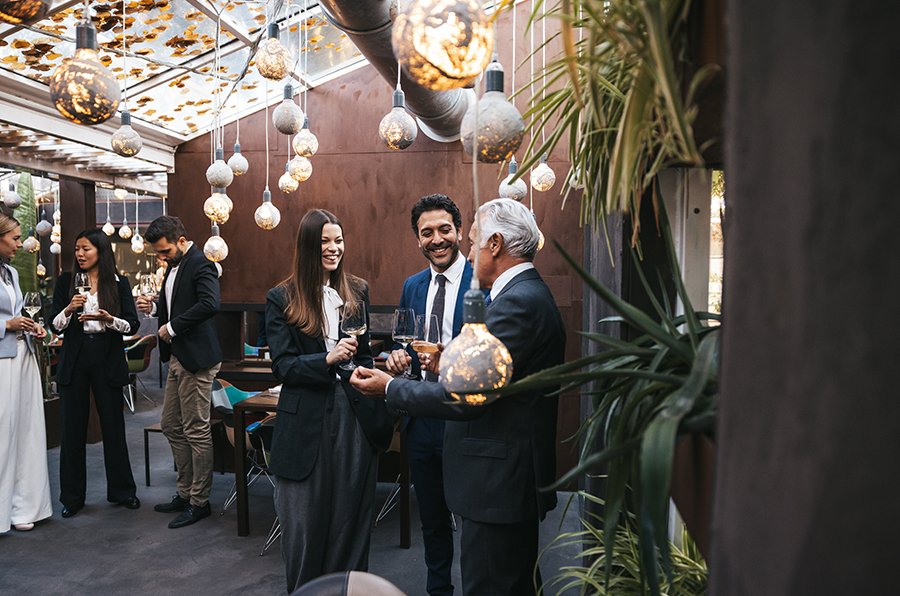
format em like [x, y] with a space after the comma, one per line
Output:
[191, 515]
[70, 511]
[177, 504]
[131, 503]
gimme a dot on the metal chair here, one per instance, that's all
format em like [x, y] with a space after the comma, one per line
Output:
[224, 396]
[260, 434]
[138, 357]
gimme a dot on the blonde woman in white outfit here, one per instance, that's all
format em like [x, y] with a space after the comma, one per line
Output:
[24, 480]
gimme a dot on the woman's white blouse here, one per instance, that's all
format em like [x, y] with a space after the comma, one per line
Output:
[92, 305]
[331, 309]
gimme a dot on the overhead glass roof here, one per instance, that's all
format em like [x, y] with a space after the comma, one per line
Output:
[167, 56]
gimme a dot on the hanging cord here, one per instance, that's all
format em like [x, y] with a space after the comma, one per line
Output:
[124, 64]
[475, 285]
[531, 90]
[266, 126]
[137, 217]
[305, 57]
[543, 63]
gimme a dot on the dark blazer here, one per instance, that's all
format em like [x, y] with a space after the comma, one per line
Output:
[496, 456]
[116, 363]
[308, 384]
[195, 302]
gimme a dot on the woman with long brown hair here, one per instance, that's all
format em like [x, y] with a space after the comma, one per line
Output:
[92, 357]
[24, 480]
[326, 436]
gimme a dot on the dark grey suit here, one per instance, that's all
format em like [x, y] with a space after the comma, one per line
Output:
[496, 456]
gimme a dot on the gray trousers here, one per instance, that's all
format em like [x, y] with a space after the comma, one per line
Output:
[185, 423]
[326, 518]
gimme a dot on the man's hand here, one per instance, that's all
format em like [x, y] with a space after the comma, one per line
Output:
[398, 361]
[164, 334]
[144, 304]
[370, 382]
[38, 332]
[432, 362]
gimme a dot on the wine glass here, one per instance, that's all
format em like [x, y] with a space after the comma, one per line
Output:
[353, 322]
[32, 305]
[403, 332]
[148, 287]
[428, 334]
[83, 285]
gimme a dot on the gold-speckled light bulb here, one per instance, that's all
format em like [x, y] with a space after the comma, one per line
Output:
[287, 183]
[216, 207]
[300, 168]
[267, 215]
[82, 89]
[31, 243]
[475, 361]
[215, 248]
[305, 143]
[108, 228]
[398, 130]
[542, 177]
[443, 44]
[273, 60]
[126, 141]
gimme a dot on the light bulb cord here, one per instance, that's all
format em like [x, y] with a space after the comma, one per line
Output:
[475, 285]
[266, 126]
[124, 64]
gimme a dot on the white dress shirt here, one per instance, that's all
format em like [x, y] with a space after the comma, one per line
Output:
[452, 289]
[92, 305]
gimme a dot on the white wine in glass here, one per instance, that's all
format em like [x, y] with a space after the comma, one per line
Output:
[428, 335]
[353, 322]
[404, 331]
[32, 305]
[83, 284]
[148, 287]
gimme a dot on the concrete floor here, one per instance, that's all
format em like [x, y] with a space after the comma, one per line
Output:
[107, 549]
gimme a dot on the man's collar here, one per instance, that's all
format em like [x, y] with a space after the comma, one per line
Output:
[507, 276]
[454, 272]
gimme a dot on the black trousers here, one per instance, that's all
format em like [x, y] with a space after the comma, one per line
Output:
[425, 449]
[75, 402]
[499, 559]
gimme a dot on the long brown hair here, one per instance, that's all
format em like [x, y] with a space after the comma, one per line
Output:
[304, 286]
[107, 286]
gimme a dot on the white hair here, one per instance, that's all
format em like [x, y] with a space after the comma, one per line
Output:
[515, 223]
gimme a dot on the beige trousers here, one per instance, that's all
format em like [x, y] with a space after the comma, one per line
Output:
[185, 423]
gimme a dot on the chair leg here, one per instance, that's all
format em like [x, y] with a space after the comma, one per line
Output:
[129, 397]
[147, 456]
[390, 502]
[274, 534]
[144, 394]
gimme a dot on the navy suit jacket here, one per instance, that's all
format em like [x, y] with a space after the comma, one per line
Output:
[497, 455]
[195, 301]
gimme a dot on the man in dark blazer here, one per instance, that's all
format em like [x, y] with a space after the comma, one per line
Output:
[496, 456]
[437, 290]
[188, 300]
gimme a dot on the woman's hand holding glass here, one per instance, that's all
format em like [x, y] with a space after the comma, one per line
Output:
[353, 323]
[344, 351]
[82, 289]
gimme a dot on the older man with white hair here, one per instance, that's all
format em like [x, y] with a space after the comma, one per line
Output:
[497, 456]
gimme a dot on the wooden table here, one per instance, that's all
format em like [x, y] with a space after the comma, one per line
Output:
[268, 402]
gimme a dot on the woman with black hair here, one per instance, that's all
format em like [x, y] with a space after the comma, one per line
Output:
[326, 436]
[93, 357]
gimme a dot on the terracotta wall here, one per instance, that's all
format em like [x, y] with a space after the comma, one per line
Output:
[371, 189]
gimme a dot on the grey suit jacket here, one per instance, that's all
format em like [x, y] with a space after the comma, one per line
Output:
[496, 456]
[9, 311]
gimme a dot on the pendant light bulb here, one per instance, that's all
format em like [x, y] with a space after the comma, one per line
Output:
[500, 125]
[137, 244]
[300, 168]
[108, 228]
[126, 141]
[398, 130]
[273, 60]
[305, 143]
[31, 243]
[121, 194]
[542, 177]
[237, 162]
[41, 270]
[219, 175]
[55, 249]
[443, 44]
[82, 89]
[288, 183]
[513, 190]
[475, 361]
[267, 215]
[216, 207]
[215, 248]
[44, 227]
[288, 117]
[11, 197]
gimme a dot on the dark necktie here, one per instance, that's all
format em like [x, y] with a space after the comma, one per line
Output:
[487, 300]
[437, 309]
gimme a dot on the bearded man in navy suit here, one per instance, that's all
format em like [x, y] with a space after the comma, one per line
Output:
[438, 290]
[497, 456]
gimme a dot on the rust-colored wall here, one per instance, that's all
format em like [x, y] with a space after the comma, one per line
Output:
[371, 189]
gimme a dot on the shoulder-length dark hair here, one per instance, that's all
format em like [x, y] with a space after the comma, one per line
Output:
[304, 286]
[107, 286]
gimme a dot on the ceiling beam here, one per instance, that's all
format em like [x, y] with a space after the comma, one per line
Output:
[227, 22]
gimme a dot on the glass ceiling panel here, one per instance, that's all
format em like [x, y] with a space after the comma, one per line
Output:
[171, 46]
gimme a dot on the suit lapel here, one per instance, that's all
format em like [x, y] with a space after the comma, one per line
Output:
[460, 294]
[181, 267]
[421, 298]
